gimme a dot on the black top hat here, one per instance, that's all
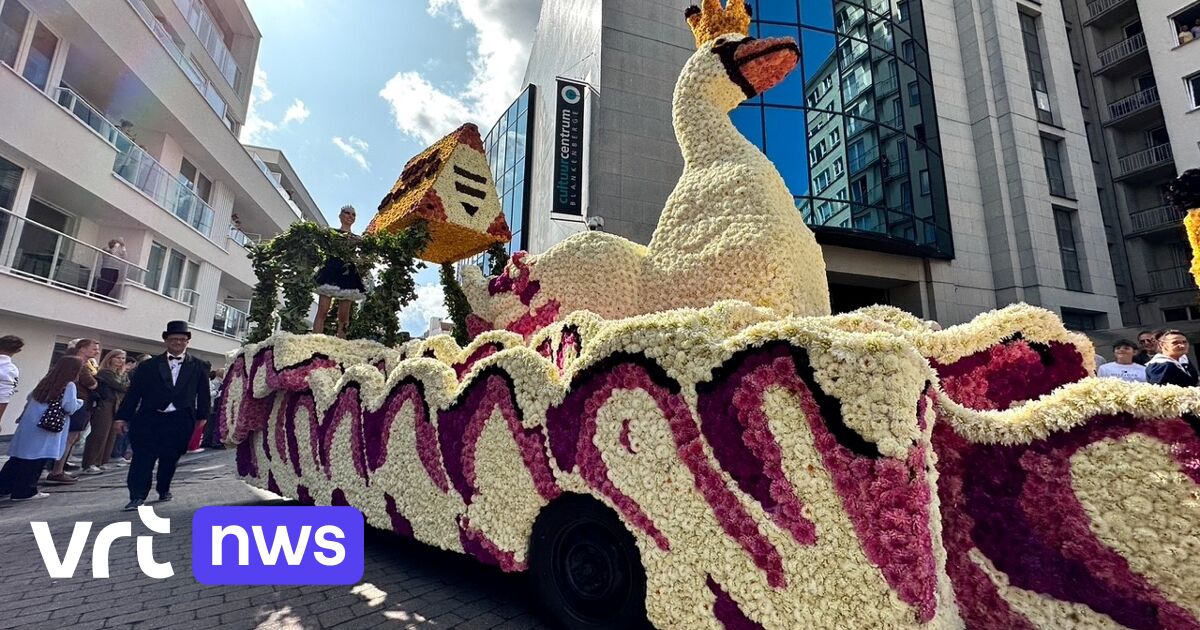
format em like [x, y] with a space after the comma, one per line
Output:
[177, 327]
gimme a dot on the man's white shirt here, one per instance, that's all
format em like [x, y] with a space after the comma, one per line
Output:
[175, 365]
[1132, 372]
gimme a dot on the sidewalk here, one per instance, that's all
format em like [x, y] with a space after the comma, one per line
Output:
[405, 584]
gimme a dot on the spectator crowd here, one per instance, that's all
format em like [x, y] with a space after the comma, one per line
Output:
[125, 412]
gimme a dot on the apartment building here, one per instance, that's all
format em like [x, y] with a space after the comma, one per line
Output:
[1139, 83]
[119, 119]
[936, 148]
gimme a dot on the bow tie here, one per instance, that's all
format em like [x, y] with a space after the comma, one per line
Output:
[171, 358]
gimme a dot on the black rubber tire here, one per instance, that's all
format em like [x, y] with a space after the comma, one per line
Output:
[585, 566]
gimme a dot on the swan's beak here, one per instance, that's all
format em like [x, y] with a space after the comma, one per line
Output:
[763, 63]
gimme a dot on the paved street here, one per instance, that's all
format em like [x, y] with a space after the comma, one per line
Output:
[405, 584]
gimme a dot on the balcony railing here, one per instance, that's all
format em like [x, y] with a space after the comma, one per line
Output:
[1099, 7]
[34, 251]
[167, 190]
[1156, 218]
[1170, 279]
[857, 162]
[1154, 156]
[205, 27]
[189, 297]
[137, 167]
[230, 321]
[201, 82]
[1122, 50]
[242, 238]
[1133, 103]
[87, 114]
[262, 166]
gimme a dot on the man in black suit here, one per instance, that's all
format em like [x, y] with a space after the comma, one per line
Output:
[168, 396]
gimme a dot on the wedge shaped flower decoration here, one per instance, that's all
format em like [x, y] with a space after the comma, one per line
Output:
[450, 186]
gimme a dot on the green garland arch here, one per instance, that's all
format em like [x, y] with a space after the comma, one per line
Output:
[286, 264]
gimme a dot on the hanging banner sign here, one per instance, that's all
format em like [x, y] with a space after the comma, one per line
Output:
[569, 148]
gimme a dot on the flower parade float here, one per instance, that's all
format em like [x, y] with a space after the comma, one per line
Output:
[682, 433]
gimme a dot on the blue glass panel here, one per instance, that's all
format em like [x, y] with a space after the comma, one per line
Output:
[786, 146]
[820, 56]
[748, 120]
[817, 13]
[777, 11]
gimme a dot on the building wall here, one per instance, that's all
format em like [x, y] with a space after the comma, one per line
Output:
[1005, 244]
[83, 169]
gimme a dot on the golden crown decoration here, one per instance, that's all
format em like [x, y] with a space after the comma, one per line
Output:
[709, 21]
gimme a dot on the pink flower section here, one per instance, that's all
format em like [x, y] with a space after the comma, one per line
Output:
[479, 545]
[477, 325]
[730, 513]
[727, 611]
[480, 353]
[887, 500]
[529, 441]
[400, 524]
[1016, 505]
[625, 437]
[533, 321]
[1008, 372]
[347, 404]
[783, 506]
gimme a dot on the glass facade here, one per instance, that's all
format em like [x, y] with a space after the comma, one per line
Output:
[853, 129]
[508, 146]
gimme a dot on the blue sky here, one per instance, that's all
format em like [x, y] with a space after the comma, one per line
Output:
[351, 90]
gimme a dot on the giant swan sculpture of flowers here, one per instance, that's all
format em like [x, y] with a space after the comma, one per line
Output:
[729, 230]
[731, 466]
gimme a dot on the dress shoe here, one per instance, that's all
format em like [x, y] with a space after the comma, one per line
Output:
[163, 497]
[133, 505]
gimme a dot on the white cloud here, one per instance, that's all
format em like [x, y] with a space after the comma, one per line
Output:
[430, 302]
[503, 31]
[258, 128]
[297, 113]
[354, 149]
[342, 175]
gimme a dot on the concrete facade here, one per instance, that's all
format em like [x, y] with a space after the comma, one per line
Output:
[1143, 123]
[119, 120]
[1006, 247]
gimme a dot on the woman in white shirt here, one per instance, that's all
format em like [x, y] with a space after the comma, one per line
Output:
[9, 374]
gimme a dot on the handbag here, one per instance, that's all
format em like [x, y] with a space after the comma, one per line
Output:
[54, 417]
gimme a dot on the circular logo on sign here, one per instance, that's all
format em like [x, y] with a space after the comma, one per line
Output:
[571, 94]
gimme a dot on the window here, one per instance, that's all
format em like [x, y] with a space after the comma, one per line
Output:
[10, 177]
[914, 93]
[197, 182]
[41, 53]
[858, 190]
[174, 280]
[902, 8]
[835, 136]
[1193, 89]
[154, 268]
[1064, 227]
[1080, 320]
[13, 18]
[821, 182]
[1158, 137]
[909, 51]
[824, 211]
[923, 179]
[1037, 74]
[1052, 156]
[838, 167]
[1132, 29]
